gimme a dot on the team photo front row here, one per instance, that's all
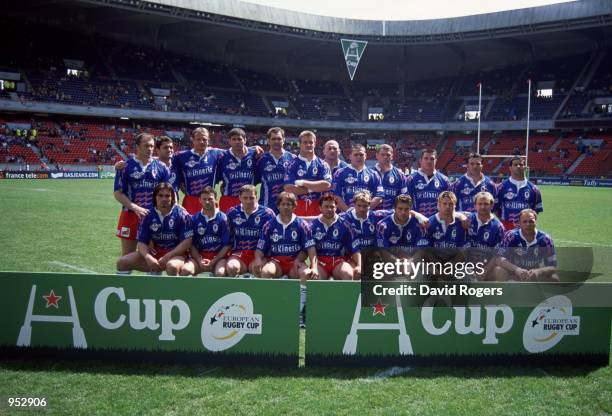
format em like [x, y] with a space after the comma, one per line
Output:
[253, 240]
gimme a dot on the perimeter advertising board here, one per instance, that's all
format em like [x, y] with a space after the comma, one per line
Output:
[180, 319]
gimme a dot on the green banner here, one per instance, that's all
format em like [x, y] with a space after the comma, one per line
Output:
[205, 319]
[342, 332]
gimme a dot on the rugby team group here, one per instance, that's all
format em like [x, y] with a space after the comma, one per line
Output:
[314, 216]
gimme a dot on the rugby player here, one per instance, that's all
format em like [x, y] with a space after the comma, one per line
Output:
[271, 168]
[196, 168]
[338, 251]
[485, 234]
[164, 236]
[246, 221]
[393, 180]
[516, 193]
[331, 154]
[357, 177]
[211, 238]
[426, 184]
[307, 176]
[528, 253]
[473, 182]
[236, 167]
[400, 231]
[284, 242]
[134, 187]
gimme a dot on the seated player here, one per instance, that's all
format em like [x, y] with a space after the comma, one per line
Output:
[211, 238]
[164, 236]
[528, 253]
[399, 235]
[284, 241]
[246, 221]
[485, 234]
[338, 250]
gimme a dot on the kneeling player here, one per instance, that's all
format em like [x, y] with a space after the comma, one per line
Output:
[167, 228]
[211, 238]
[283, 242]
[246, 221]
[529, 254]
[335, 242]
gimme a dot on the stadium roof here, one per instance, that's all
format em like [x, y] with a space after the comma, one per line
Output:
[298, 45]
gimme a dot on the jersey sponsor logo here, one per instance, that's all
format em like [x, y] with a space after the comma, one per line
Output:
[155, 226]
[548, 323]
[438, 235]
[191, 163]
[269, 167]
[319, 235]
[301, 172]
[232, 165]
[509, 195]
[420, 186]
[350, 179]
[228, 320]
[275, 237]
[394, 239]
[238, 220]
[466, 190]
[201, 230]
[137, 174]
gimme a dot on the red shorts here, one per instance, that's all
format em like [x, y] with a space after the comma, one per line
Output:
[307, 208]
[192, 204]
[128, 225]
[208, 255]
[284, 262]
[228, 202]
[159, 252]
[247, 256]
[329, 263]
[509, 225]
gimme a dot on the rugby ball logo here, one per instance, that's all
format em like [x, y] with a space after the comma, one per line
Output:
[548, 323]
[228, 320]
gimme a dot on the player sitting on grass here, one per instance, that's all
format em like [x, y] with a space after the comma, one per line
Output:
[284, 241]
[164, 236]
[528, 253]
[211, 238]
[246, 221]
[338, 250]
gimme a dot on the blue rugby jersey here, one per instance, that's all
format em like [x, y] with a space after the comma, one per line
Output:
[315, 170]
[196, 172]
[165, 231]
[278, 239]
[234, 172]
[528, 255]
[393, 235]
[394, 183]
[485, 235]
[137, 182]
[246, 229]
[515, 196]
[210, 234]
[424, 191]
[341, 164]
[465, 190]
[442, 235]
[270, 173]
[336, 240]
[365, 229]
[348, 181]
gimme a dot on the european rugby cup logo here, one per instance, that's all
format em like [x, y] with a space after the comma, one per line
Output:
[548, 323]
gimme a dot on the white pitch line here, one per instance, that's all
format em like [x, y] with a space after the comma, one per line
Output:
[73, 267]
[383, 375]
[581, 243]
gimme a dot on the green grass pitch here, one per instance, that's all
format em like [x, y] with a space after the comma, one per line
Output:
[64, 226]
